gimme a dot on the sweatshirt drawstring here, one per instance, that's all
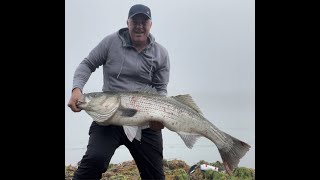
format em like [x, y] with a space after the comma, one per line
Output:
[152, 56]
[121, 63]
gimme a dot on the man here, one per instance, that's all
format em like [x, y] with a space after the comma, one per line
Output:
[131, 60]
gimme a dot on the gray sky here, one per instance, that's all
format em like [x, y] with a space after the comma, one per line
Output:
[211, 44]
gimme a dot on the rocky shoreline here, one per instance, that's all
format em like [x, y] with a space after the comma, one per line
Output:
[174, 170]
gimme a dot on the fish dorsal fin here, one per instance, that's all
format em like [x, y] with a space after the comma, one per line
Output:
[148, 89]
[189, 139]
[187, 100]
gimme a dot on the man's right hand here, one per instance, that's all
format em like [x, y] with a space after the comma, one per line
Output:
[76, 94]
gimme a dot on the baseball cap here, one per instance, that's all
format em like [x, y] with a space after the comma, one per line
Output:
[139, 8]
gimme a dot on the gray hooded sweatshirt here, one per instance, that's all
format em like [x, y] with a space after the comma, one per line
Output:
[124, 68]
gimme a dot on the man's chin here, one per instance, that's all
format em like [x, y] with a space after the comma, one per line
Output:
[139, 36]
[139, 39]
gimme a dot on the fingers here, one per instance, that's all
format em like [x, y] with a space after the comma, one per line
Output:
[76, 94]
[156, 126]
[73, 105]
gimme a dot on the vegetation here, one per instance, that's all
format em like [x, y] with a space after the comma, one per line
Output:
[174, 170]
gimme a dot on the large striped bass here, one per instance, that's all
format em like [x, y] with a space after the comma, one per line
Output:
[177, 113]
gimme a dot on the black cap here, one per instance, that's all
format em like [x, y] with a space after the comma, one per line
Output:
[139, 9]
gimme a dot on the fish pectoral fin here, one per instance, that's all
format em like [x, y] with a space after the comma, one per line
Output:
[127, 112]
[189, 139]
[131, 132]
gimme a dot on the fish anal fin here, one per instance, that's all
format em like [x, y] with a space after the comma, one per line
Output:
[187, 100]
[189, 139]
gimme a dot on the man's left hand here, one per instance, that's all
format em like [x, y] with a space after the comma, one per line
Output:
[156, 126]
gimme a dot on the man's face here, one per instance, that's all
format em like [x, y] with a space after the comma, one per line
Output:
[139, 28]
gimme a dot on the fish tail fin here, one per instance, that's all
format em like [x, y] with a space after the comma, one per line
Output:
[232, 154]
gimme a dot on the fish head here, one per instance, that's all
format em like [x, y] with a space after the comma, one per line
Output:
[99, 102]
[88, 100]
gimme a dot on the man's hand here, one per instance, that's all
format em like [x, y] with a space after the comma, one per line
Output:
[76, 94]
[156, 126]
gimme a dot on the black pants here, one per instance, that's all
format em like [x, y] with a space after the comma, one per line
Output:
[103, 142]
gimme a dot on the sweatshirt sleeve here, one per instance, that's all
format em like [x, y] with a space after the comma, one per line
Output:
[96, 58]
[161, 76]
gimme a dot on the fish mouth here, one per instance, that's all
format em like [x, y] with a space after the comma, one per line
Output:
[80, 104]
